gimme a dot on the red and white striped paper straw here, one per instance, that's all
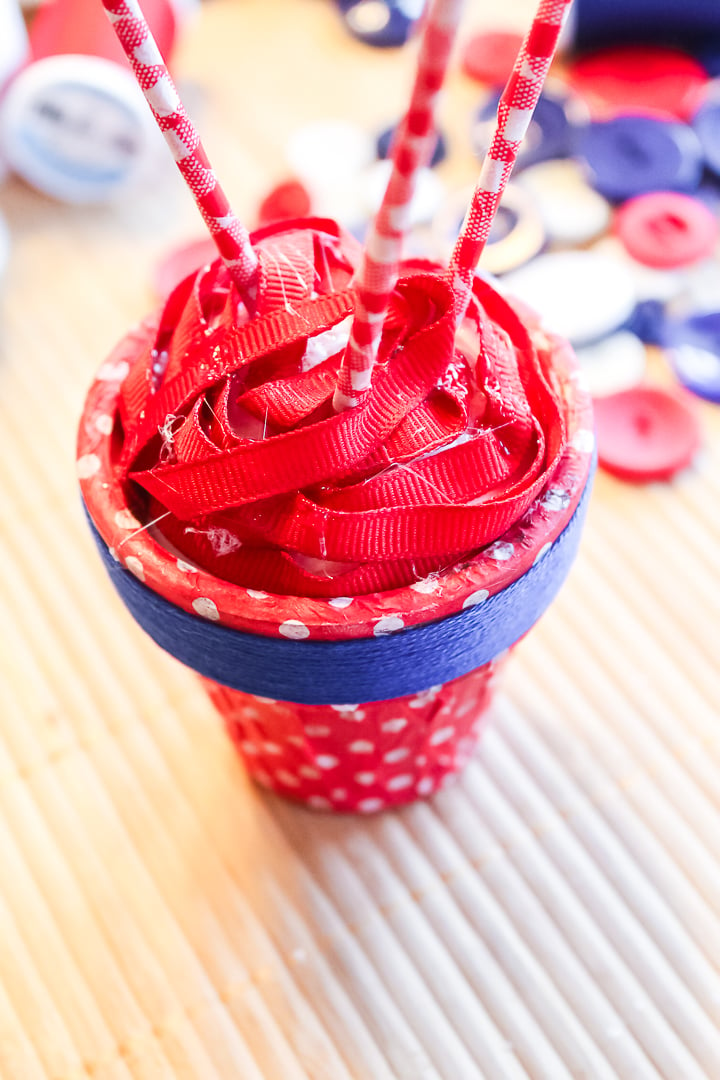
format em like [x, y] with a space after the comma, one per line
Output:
[150, 70]
[413, 147]
[515, 110]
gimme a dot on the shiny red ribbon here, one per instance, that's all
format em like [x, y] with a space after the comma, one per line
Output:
[255, 477]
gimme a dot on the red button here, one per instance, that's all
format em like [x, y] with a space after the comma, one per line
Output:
[631, 78]
[181, 261]
[646, 433]
[665, 229]
[490, 57]
[288, 200]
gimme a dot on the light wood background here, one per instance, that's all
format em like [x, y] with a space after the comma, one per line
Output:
[554, 914]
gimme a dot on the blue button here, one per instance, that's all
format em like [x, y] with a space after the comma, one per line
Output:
[383, 23]
[709, 57]
[596, 24]
[693, 347]
[706, 124]
[552, 132]
[630, 155]
[709, 191]
[648, 322]
[384, 140]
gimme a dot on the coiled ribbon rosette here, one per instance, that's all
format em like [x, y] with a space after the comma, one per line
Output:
[231, 440]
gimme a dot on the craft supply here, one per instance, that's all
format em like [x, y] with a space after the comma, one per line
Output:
[572, 212]
[73, 123]
[14, 45]
[649, 282]
[384, 141]
[552, 133]
[383, 23]
[515, 111]
[706, 124]
[582, 295]
[516, 235]
[412, 150]
[355, 578]
[630, 155]
[666, 229]
[698, 289]
[709, 191]
[709, 56]
[646, 433]
[615, 363]
[231, 238]
[489, 57]
[372, 753]
[648, 321]
[289, 199]
[596, 24]
[693, 348]
[662, 81]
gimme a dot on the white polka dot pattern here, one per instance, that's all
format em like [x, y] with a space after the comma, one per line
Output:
[87, 466]
[405, 746]
[206, 608]
[293, 629]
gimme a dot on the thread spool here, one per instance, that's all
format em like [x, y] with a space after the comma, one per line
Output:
[74, 123]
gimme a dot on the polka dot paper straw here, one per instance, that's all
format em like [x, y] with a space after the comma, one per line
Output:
[181, 136]
[515, 111]
[414, 144]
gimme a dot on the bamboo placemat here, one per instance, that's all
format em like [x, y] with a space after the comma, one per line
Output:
[553, 914]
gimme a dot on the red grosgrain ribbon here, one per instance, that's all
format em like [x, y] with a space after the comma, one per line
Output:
[230, 431]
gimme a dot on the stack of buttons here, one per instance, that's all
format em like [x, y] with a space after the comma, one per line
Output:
[628, 194]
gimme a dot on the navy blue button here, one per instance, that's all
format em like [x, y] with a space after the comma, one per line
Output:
[383, 23]
[630, 155]
[596, 24]
[648, 322]
[709, 57]
[693, 347]
[552, 132]
[384, 140]
[706, 124]
[709, 191]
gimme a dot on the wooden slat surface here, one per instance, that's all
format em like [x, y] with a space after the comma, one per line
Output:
[553, 914]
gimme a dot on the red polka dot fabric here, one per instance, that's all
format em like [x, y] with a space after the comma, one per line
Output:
[360, 758]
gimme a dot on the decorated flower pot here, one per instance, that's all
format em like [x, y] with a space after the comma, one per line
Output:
[350, 599]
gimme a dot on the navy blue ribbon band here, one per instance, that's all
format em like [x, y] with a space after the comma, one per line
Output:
[359, 670]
